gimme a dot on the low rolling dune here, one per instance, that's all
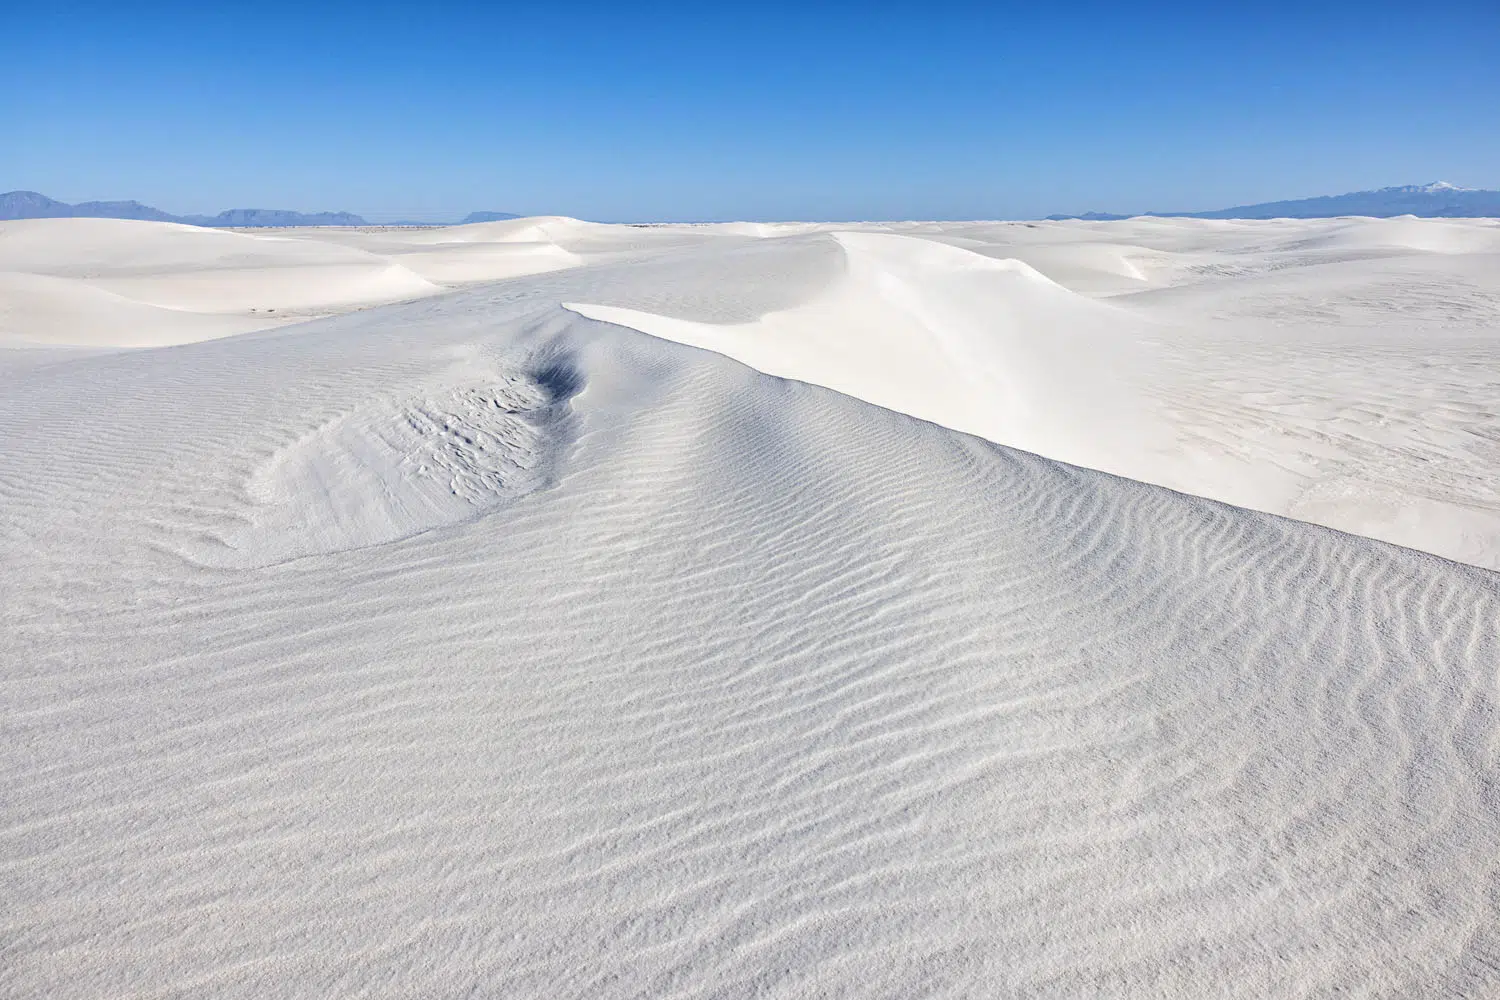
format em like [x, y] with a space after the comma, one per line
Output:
[845, 611]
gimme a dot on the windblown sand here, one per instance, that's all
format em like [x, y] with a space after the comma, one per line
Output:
[750, 610]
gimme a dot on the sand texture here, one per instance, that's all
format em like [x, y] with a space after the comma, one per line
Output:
[964, 609]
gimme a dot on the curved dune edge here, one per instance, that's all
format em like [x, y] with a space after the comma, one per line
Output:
[981, 345]
[995, 348]
[121, 283]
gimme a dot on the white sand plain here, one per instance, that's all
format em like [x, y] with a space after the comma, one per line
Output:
[469, 641]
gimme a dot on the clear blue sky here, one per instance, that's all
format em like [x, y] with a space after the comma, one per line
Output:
[744, 111]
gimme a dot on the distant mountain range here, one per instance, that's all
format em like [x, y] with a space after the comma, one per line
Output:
[466, 220]
[487, 217]
[1432, 201]
[31, 205]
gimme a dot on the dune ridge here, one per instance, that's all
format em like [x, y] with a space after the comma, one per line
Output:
[983, 345]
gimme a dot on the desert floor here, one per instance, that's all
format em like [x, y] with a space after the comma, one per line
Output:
[546, 608]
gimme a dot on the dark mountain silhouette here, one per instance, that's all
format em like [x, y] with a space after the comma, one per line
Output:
[1431, 201]
[488, 217]
[31, 205]
[273, 217]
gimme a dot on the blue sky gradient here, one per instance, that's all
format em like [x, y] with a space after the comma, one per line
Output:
[744, 111]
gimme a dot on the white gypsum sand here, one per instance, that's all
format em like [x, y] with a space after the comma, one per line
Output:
[474, 646]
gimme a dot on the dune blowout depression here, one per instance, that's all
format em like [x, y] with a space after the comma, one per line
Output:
[550, 608]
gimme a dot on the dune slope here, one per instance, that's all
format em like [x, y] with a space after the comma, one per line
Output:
[1338, 372]
[989, 347]
[473, 647]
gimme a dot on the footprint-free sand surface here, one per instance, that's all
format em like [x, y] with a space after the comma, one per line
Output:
[544, 608]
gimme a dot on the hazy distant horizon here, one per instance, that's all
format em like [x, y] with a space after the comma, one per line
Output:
[1434, 200]
[392, 217]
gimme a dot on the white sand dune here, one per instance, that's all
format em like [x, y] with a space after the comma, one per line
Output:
[1351, 390]
[39, 309]
[272, 277]
[1411, 233]
[213, 282]
[454, 255]
[473, 646]
[989, 347]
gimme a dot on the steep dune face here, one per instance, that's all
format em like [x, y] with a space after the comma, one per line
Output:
[986, 346]
[744, 686]
[1287, 368]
